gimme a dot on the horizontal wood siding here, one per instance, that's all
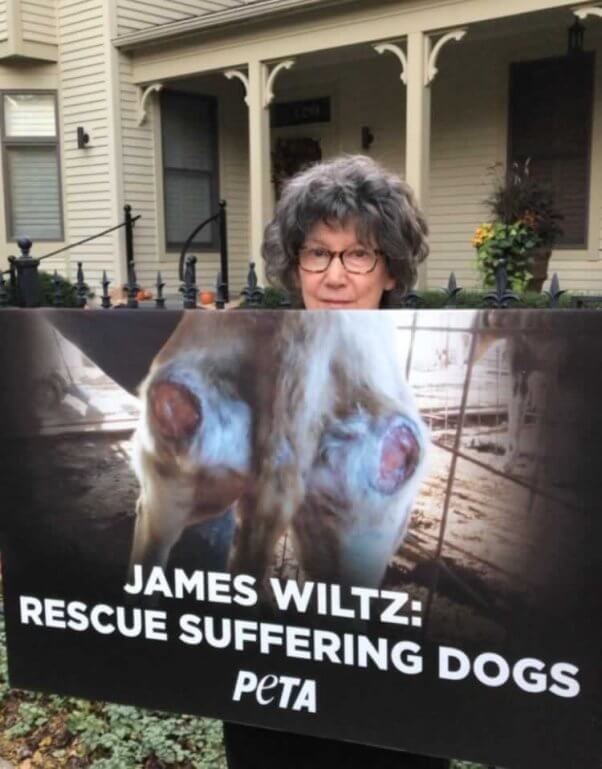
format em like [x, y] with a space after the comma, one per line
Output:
[141, 155]
[84, 95]
[134, 15]
[138, 169]
[467, 139]
[3, 21]
[38, 20]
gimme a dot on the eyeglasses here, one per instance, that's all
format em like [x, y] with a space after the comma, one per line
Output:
[357, 260]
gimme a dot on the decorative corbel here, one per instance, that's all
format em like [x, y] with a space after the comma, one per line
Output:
[588, 10]
[268, 90]
[239, 75]
[396, 50]
[143, 97]
[431, 65]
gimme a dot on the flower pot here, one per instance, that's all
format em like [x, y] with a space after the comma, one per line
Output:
[539, 269]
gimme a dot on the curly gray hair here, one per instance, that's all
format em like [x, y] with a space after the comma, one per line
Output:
[352, 187]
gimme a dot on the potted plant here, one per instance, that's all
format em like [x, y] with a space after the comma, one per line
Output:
[511, 245]
[524, 227]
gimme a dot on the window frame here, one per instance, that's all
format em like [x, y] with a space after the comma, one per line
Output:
[30, 141]
[214, 176]
[514, 65]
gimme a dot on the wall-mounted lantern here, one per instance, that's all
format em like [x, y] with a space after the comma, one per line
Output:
[83, 138]
[367, 138]
[576, 35]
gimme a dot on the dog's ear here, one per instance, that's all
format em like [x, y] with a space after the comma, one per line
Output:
[123, 350]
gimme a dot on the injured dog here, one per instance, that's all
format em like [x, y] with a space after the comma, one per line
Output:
[303, 420]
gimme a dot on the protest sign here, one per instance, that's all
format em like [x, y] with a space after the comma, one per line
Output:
[379, 527]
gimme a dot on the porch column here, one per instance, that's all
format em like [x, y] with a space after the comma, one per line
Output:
[418, 126]
[260, 192]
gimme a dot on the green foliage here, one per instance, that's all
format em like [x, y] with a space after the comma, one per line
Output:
[510, 244]
[31, 716]
[117, 736]
[48, 291]
[475, 300]
[271, 299]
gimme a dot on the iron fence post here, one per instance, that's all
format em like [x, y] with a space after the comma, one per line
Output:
[220, 293]
[189, 288]
[252, 293]
[129, 234]
[451, 291]
[159, 298]
[554, 292]
[3, 292]
[81, 287]
[502, 297]
[105, 301]
[24, 275]
[131, 288]
[57, 297]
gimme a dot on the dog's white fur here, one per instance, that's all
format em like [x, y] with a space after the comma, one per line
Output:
[295, 412]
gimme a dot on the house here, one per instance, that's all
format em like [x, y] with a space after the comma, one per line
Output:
[170, 106]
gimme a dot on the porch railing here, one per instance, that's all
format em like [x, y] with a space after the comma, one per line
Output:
[23, 270]
[220, 217]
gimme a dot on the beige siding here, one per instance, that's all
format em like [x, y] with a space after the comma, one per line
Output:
[138, 169]
[38, 20]
[84, 98]
[142, 180]
[134, 15]
[469, 119]
[3, 21]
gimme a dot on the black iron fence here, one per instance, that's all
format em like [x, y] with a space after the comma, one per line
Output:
[24, 285]
[25, 282]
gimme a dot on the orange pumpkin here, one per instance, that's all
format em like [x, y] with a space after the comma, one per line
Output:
[207, 297]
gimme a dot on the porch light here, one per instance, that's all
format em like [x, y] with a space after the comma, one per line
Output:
[83, 138]
[367, 138]
[576, 34]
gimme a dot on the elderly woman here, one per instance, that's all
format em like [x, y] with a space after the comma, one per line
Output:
[346, 234]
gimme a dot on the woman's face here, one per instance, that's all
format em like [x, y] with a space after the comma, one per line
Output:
[336, 288]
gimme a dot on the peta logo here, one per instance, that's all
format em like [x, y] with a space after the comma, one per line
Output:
[283, 691]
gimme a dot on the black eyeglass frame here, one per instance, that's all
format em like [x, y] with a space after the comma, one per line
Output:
[341, 256]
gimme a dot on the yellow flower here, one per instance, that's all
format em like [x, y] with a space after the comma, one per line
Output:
[482, 234]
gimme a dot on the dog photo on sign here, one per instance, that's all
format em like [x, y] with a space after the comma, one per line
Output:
[304, 423]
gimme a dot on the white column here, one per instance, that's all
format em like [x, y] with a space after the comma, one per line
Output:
[418, 126]
[260, 192]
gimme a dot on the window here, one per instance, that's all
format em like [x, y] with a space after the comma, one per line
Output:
[189, 127]
[31, 166]
[550, 122]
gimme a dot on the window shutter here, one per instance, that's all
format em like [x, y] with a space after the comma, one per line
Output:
[550, 122]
